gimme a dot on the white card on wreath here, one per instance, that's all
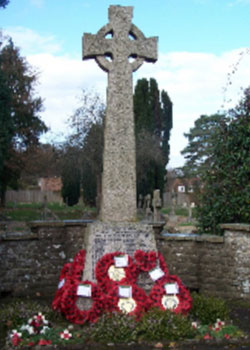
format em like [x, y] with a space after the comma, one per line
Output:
[172, 288]
[84, 290]
[121, 260]
[125, 291]
[156, 273]
[61, 283]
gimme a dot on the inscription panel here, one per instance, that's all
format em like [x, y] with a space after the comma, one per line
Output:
[107, 238]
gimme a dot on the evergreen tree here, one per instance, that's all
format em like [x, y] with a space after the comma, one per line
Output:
[219, 150]
[153, 122]
[71, 177]
[201, 143]
[19, 115]
[4, 3]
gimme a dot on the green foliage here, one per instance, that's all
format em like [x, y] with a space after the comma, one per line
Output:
[71, 177]
[219, 153]
[229, 331]
[18, 113]
[4, 3]
[114, 328]
[159, 325]
[34, 211]
[153, 122]
[208, 309]
[201, 144]
[14, 313]
[226, 194]
[92, 159]
[181, 211]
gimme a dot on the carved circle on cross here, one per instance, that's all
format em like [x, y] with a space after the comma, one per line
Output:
[134, 34]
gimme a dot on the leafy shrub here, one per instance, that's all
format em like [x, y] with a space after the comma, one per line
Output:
[16, 312]
[208, 309]
[227, 331]
[157, 325]
[114, 328]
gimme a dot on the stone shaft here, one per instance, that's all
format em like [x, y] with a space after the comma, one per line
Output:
[113, 47]
[119, 168]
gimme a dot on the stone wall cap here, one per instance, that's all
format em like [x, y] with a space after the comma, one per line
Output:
[38, 223]
[192, 237]
[18, 236]
[236, 227]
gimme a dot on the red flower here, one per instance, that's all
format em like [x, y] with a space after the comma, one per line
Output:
[146, 261]
[227, 336]
[78, 265]
[163, 264]
[44, 342]
[31, 343]
[138, 295]
[207, 336]
[183, 297]
[16, 339]
[70, 272]
[70, 308]
[102, 268]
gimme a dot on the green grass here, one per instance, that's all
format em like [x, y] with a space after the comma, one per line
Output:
[23, 214]
[179, 211]
[34, 211]
[184, 224]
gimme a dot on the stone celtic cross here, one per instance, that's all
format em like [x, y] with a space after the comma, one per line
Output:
[119, 48]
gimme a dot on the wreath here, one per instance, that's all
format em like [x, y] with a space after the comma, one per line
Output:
[178, 299]
[70, 272]
[70, 298]
[147, 261]
[65, 274]
[78, 265]
[135, 304]
[108, 275]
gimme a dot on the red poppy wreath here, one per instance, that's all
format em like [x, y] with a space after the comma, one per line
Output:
[70, 272]
[128, 298]
[115, 268]
[90, 293]
[148, 261]
[78, 265]
[169, 293]
[66, 272]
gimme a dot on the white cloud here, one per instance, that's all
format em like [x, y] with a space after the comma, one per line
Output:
[31, 42]
[61, 80]
[239, 2]
[194, 82]
[197, 84]
[37, 3]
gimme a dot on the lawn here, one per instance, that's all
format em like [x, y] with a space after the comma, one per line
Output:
[54, 211]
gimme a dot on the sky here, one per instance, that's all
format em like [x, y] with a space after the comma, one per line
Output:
[203, 55]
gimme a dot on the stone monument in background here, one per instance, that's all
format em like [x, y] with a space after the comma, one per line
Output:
[119, 48]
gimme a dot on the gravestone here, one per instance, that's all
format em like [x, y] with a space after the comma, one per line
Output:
[157, 204]
[119, 48]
